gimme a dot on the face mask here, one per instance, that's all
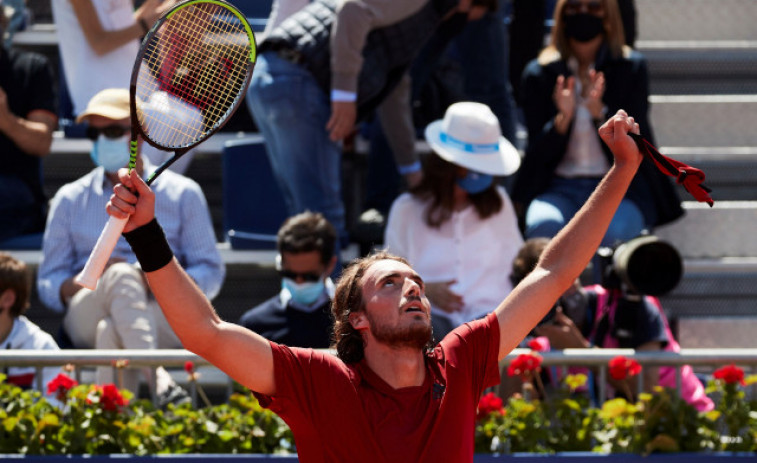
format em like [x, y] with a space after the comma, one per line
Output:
[475, 182]
[111, 153]
[303, 293]
[583, 26]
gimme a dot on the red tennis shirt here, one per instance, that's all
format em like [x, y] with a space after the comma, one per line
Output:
[346, 413]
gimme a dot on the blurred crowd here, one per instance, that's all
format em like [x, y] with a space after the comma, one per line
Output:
[506, 95]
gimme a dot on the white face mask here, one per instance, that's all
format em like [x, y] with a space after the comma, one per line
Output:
[111, 153]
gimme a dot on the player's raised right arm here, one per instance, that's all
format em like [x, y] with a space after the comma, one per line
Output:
[240, 353]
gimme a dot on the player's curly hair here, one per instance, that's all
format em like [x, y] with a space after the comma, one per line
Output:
[348, 298]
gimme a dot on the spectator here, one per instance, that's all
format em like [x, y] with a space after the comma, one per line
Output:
[16, 331]
[387, 395]
[280, 10]
[464, 61]
[459, 208]
[313, 62]
[121, 313]
[611, 317]
[99, 41]
[300, 314]
[585, 73]
[27, 121]
[527, 32]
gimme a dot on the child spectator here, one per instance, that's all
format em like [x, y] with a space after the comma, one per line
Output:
[16, 331]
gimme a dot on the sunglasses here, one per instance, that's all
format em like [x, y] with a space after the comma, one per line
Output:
[111, 131]
[310, 277]
[576, 6]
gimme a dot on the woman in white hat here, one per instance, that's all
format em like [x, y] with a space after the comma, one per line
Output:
[458, 227]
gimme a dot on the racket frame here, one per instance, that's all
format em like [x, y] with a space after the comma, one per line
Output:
[178, 152]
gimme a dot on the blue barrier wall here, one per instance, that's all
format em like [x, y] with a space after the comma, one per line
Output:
[517, 458]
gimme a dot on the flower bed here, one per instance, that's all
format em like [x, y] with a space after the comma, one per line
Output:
[100, 420]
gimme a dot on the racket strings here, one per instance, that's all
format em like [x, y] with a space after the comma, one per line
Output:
[192, 73]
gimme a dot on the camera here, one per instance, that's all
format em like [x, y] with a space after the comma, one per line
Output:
[643, 266]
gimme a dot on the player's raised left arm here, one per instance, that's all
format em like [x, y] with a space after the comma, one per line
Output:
[569, 252]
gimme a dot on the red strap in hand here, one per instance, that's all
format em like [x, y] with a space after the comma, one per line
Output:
[690, 177]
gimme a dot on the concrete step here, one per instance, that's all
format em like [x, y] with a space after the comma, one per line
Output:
[696, 19]
[716, 287]
[725, 230]
[704, 120]
[712, 332]
[714, 68]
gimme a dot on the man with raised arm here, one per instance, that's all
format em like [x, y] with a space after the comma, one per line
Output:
[388, 396]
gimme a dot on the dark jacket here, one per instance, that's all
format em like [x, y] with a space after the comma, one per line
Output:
[387, 53]
[290, 326]
[626, 87]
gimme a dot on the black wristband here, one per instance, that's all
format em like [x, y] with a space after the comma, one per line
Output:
[150, 246]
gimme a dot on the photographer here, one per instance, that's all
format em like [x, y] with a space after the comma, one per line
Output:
[622, 312]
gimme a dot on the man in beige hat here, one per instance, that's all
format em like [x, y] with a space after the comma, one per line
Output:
[121, 313]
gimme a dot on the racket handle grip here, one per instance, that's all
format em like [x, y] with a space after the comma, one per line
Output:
[101, 253]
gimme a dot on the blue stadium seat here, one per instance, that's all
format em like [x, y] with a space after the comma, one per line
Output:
[31, 241]
[256, 11]
[253, 206]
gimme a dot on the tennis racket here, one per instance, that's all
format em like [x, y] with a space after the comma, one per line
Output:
[190, 76]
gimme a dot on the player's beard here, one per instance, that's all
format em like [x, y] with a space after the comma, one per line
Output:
[415, 335]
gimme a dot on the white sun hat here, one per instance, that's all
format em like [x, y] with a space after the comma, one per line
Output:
[469, 136]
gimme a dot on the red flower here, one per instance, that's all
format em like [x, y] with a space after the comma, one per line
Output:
[111, 397]
[539, 344]
[60, 385]
[524, 364]
[189, 367]
[730, 374]
[622, 368]
[488, 404]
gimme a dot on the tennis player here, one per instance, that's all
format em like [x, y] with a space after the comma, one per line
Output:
[389, 395]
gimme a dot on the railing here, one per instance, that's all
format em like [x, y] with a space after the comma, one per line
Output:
[599, 358]
[594, 358]
[81, 358]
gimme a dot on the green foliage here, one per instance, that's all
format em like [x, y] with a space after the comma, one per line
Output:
[100, 420]
[87, 423]
[656, 423]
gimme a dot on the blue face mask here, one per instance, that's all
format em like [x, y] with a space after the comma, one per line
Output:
[475, 182]
[304, 293]
[111, 153]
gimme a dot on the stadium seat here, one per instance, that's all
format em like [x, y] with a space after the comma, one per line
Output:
[253, 206]
[28, 242]
[256, 11]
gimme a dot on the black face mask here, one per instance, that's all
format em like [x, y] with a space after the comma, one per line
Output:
[583, 26]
